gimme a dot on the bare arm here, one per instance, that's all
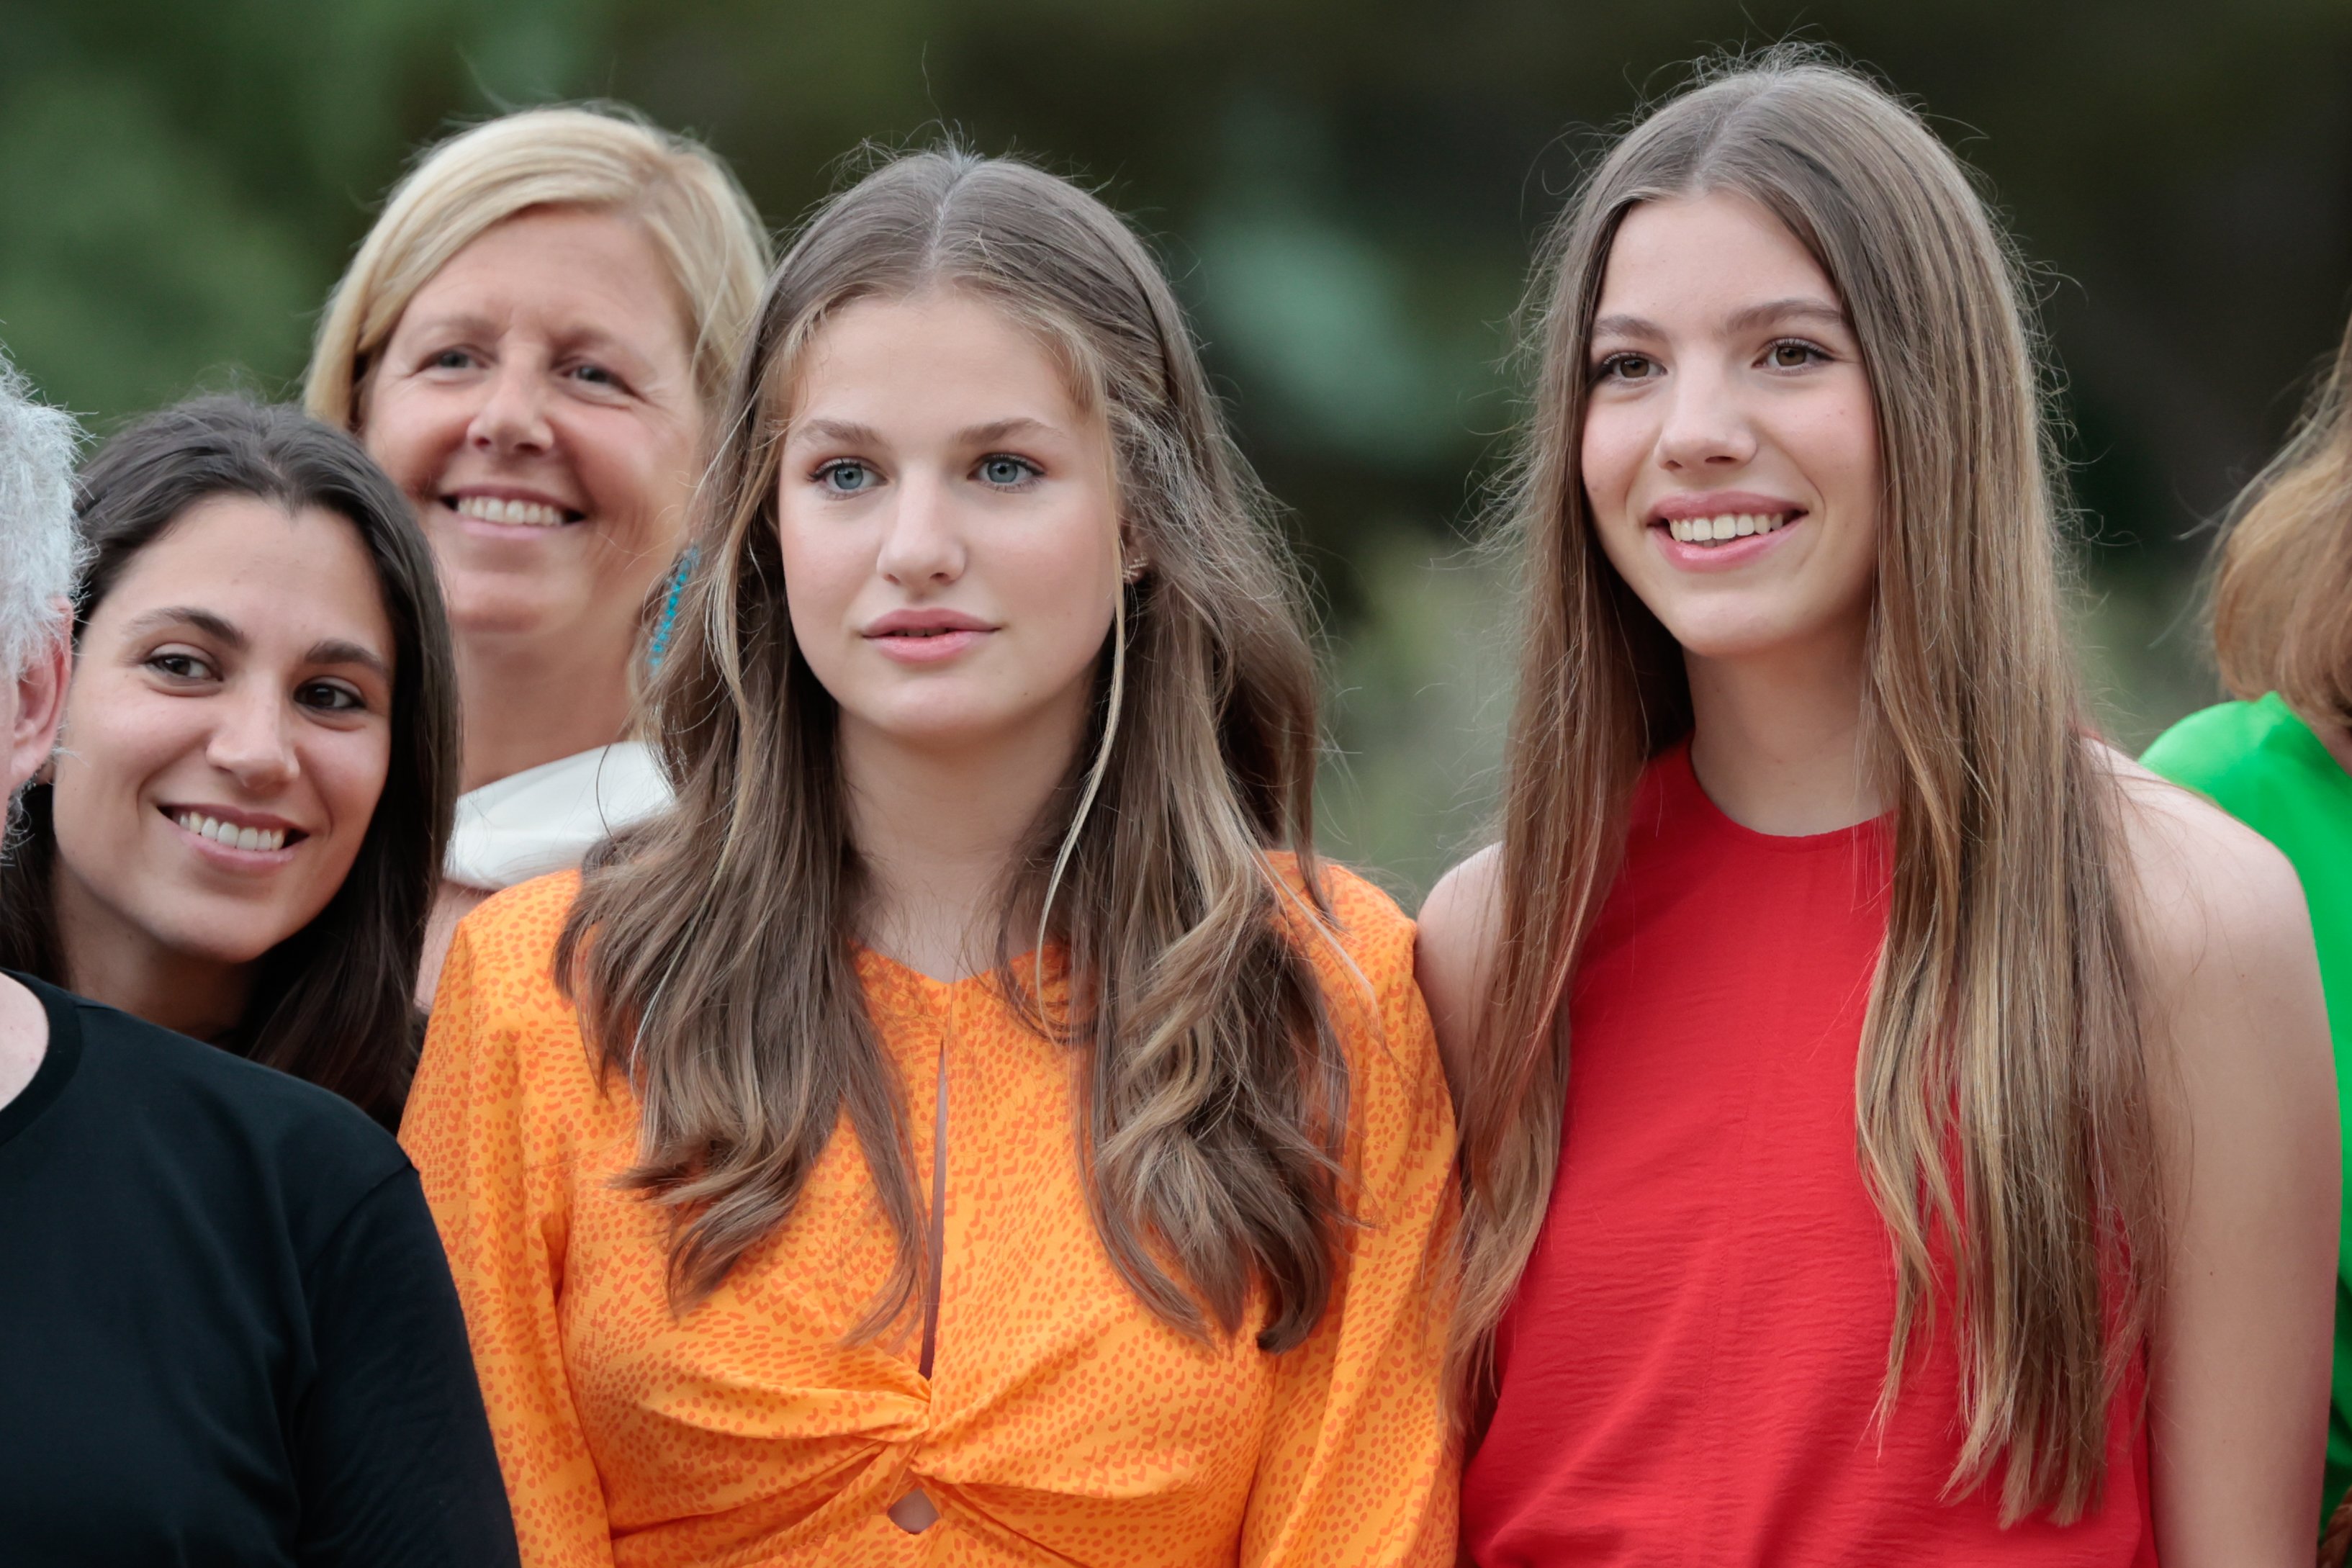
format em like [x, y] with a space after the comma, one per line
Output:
[2244, 1090]
[1454, 955]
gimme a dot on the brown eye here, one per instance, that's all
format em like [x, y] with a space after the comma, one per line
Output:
[1792, 355]
[1628, 367]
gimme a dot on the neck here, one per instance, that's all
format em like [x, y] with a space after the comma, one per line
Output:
[24, 1038]
[530, 701]
[938, 830]
[110, 960]
[1777, 740]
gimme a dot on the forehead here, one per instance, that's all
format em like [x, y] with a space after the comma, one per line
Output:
[560, 262]
[945, 351]
[301, 574]
[1683, 261]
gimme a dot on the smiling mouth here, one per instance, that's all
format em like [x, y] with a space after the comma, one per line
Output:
[1728, 526]
[521, 514]
[229, 836]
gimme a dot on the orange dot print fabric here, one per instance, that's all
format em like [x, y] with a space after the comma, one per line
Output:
[1062, 1423]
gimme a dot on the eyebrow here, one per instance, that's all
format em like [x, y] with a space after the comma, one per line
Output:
[851, 434]
[328, 650]
[205, 621]
[335, 650]
[1797, 307]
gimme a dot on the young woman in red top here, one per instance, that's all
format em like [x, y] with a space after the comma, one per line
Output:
[1833, 1025]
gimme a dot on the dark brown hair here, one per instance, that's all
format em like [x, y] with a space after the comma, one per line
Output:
[332, 1002]
[711, 953]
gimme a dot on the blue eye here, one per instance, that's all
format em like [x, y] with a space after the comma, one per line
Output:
[1005, 470]
[845, 478]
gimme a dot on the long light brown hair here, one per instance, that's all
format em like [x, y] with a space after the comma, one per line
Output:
[711, 953]
[2004, 1128]
[2283, 596]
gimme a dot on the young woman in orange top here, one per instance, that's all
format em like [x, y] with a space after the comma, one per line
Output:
[960, 1131]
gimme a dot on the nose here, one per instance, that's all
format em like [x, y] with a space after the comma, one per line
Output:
[252, 739]
[922, 541]
[1706, 428]
[513, 415]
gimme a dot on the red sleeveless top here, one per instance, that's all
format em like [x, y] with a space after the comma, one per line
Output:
[1689, 1372]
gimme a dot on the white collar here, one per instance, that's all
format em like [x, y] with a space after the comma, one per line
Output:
[546, 819]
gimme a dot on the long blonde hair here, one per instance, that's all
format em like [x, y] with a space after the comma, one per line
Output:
[711, 953]
[2001, 1095]
[594, 156]
[2283, 596]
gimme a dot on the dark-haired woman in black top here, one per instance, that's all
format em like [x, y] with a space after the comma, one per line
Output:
[227, 1334]
[239, 836]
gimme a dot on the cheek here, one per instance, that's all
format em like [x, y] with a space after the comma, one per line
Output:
[1611, 453]
[823, 569]
[411, 433]
[348, 771]
[1063, 583]
[634, 467]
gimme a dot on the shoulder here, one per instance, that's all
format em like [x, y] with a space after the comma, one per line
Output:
[514, 931]
[220, 1120]
[2198, 870]
[1363, 957]
[1459, 923]
[501, 964]
[2220, 914]
[503, 1033]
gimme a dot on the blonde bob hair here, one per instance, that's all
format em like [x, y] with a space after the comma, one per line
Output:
[2001, 1103]
[711, 951]
[2282, 597]
[596, 157]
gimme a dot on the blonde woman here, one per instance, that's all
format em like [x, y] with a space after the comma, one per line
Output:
[996, 1140]
[2279, 759]
[1835, 1024]
[533, 341]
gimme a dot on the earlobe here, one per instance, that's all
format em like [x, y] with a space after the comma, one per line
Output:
[40, 705]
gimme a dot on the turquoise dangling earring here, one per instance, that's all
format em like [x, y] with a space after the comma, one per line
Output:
[658, 644]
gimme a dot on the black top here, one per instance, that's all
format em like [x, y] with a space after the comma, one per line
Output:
[227, 1333]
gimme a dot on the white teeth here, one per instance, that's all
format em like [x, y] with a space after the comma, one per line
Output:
[492, 509]
[231, 836]
[1729, 525]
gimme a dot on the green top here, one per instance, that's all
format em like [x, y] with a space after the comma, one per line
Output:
[2263, 766]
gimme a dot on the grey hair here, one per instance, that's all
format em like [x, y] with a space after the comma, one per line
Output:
[39, 551]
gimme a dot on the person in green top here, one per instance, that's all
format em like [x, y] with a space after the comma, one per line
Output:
[2280, 758]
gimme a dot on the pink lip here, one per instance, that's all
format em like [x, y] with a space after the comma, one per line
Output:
[924, 637]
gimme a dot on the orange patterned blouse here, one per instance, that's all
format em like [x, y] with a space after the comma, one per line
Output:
[1062, 1424]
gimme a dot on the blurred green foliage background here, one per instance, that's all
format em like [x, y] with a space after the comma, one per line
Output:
[1347, 195]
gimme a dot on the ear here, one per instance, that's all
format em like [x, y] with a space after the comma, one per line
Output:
[40, 702]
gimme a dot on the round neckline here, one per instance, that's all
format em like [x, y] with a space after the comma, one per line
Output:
[1682, 775]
